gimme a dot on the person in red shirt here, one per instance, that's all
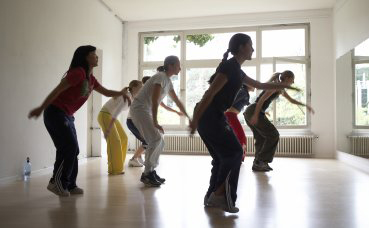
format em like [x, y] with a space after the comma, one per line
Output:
[59, 106]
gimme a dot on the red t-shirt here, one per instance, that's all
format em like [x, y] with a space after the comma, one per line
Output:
[71, 99]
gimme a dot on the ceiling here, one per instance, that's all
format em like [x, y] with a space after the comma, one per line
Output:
[139, 10]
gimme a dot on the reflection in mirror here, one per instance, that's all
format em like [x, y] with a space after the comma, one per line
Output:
[352, 99]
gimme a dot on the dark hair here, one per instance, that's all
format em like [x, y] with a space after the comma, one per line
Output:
[79, 58]
[169, 60]
[234, 44]
[286, 74]
[278, 77]
[145, 78]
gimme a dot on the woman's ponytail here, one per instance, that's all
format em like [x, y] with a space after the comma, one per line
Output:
[160, 69]
[225, 55]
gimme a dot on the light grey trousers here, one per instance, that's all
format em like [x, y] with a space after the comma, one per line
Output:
[143, 121]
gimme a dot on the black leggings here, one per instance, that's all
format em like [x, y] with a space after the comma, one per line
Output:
[63, 133]
[225, 150]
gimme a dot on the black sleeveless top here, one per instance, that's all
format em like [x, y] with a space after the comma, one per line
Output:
[226, 96]
[268, 101]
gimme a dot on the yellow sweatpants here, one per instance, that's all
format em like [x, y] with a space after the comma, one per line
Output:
[117, 142]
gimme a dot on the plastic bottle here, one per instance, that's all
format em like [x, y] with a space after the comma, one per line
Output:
[27, 170]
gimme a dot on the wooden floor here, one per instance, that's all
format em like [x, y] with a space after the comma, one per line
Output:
[299, 193]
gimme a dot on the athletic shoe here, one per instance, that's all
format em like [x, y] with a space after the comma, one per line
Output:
[259, 166]
[161, 180]
[206, 202]
[76, 191]
[141, 160]
[221, 202]
[149, 180]
[270, 168]
[52, 187]
[134, 162]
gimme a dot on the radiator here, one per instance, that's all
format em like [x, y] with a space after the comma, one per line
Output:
[289, 146]
[359, 145]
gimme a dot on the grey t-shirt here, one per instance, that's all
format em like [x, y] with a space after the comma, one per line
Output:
[144, 97]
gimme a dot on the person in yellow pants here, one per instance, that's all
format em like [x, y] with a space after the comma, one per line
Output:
[114, 134]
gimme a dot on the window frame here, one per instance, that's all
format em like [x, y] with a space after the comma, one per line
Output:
[357, 60]
[213, 63]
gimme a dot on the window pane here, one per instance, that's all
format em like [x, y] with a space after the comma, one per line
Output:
[149, 72]
[166, 117]
[361, 94]
[156, 48]
[362, 49]
[211, 46]
[286, 42]
[196, 85]
[289, 114]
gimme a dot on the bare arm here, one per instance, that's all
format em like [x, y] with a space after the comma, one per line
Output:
[108, 93]
[63, 85]
[255, 117]
[112, 93]
[218, 83]
[179, 104]
[266, 86]
[293, 101]
[155, 103]
[170, 109]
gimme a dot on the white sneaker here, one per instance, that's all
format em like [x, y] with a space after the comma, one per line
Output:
[52, 187]
[134, 163]
[141, 160]
[76, 191]
[221, 202]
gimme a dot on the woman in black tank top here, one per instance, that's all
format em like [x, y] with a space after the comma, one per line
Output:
[213, 128]
[265, 134]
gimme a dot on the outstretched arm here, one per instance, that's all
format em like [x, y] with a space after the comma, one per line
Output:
[170, 109]
[63, 85]
[179, 104]
[293, 101]
[112, 93]
[266, 86]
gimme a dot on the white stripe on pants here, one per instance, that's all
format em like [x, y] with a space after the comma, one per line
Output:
[143, 121]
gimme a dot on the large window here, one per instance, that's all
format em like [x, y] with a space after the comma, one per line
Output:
[361, 83]
[277, 48]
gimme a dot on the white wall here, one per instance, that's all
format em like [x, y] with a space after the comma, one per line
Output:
[344, 101]
[351, 19]
[321, 57]
[37, 41]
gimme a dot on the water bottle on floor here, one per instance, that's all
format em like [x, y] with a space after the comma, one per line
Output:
[27, 170]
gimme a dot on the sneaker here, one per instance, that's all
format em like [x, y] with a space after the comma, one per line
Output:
[76, 191]
[206, 202]
[134, 162]
[149, 180]
[161, 180]
[52, 187]
[259, 166]
[221, 202]
[141, 160]
[270, 168]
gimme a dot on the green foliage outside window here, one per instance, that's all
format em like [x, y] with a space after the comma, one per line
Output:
[200, 39]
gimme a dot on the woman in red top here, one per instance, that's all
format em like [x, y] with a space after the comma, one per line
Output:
[59, 106]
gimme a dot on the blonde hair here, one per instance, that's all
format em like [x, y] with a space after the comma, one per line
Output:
[133, 84]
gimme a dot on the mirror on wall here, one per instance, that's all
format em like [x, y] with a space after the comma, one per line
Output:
[352, 101]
